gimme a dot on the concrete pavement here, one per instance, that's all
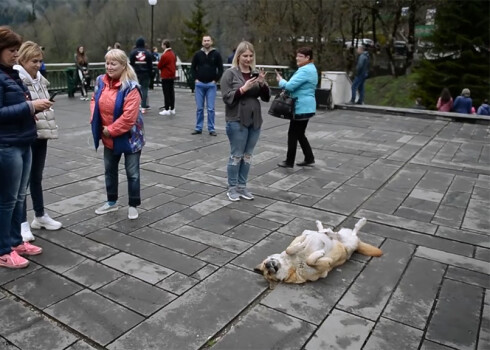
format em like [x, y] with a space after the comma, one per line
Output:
[180, 277]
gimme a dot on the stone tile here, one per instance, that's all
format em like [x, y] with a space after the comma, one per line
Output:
[221, 220]
[292, 211]
[283, 331]
[384, 201]
[428, 345]
[389, 335]
[469, 277]
[211, 205]
[7, 275]
[204, 272]
[148, 251]
[56, 258]
[136, 295]
[367, 299]
[146, 218]
[139, 268]
[482, 254]
[413, 299]
[484, 335]
[340, 331]
[456, 199]
[309, 301]
[420, 204]
[77, 243]
[464, 236]
[155, 200]
[396, 221]
[216, 256]
[414, 214]
[178, 283]
[264, 223]
[405, 180]
[80, 345]
[453, 259]
[27, 329]
[190, 320]
[248, 233]
[92, 274]
[76, 203]
[170, 241]
[42, 288]
[344, 200]
[211, 239]
[456, 318]
[448, 216]
[477, 217]
[426, 195]
[176, 220]
[94, 316]
[462, 184]
[436, 182]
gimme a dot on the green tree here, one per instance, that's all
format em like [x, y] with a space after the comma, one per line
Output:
[197, 27]
[460, 57]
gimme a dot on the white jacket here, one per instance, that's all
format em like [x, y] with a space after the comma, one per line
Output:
[45, 123]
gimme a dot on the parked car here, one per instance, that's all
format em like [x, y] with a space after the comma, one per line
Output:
[358, 42]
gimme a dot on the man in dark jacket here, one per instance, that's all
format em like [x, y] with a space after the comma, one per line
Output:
[142, 61]
[362, 70]
[206, 68]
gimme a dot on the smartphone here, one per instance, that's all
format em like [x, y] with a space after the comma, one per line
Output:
[254, 74]
[52, 95]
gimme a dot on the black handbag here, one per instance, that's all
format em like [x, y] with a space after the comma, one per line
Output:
[283, 106]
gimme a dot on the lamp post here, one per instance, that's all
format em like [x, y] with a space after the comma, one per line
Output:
[152, 4]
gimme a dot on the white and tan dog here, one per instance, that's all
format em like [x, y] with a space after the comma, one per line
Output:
[314, 254]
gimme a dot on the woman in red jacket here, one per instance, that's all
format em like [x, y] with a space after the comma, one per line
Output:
[167, 66]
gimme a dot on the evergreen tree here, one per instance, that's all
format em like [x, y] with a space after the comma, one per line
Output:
[461, 40]
[197, 28]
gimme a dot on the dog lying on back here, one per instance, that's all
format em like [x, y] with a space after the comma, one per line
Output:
[314, 254]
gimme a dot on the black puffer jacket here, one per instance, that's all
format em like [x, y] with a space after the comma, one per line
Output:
[17, 124]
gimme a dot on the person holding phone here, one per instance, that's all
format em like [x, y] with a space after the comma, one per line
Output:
[30, 59]
[301, 86]
[241, 87]
[17, 133]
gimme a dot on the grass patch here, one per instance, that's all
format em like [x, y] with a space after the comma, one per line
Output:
[389, 91]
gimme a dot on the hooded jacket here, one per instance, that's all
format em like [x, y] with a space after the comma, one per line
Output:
[484, 109]
[17, 125]
[141, 59]
[38, 88]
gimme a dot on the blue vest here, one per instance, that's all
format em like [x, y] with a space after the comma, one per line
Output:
[131, 141]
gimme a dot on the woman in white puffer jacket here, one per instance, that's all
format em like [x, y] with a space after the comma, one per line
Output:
[30, 60]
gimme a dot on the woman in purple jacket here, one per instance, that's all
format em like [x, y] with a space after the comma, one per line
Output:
[17, 133]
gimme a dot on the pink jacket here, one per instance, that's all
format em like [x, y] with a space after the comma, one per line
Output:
[444, 107]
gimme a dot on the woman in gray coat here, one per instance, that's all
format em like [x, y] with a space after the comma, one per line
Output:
[241, 86]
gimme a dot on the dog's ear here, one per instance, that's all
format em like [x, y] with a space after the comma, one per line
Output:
[259, 268]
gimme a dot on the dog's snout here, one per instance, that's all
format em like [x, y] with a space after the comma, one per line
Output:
[272, 266]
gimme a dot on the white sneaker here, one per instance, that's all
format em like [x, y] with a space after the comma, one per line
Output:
[132, 213]
[164, 112]
[172, 111]
[45, 222]
[26, 233]
[106, 208]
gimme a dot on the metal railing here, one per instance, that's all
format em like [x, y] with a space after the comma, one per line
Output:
[62, 76]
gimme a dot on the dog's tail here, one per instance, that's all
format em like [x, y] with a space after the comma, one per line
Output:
[368, 249]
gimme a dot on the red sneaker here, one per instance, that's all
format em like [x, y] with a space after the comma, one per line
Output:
[13, 261]
[27, 249]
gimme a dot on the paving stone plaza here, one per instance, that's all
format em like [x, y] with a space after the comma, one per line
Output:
[181, 276]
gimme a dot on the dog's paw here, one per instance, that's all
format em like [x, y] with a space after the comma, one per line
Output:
[319, 225]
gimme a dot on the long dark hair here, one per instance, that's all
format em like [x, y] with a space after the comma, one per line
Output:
[82, 59]
[445, 95]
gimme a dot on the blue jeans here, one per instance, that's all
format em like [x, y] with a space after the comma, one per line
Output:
[205, 91]
[144, 81]
[15, 166]
[132, 166]
[242, 143]
[358, 84]
[39, 151]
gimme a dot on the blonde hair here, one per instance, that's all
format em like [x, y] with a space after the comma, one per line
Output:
[128, 74]
[28, 50]
[241, 48]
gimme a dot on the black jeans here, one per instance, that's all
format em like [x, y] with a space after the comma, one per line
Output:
[168, 93]
[39, 151]
[296, 133]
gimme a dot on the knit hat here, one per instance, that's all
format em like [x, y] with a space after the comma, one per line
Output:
[465, 92]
